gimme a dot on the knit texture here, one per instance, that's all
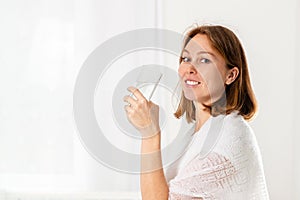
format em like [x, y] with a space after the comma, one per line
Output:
[220, 163]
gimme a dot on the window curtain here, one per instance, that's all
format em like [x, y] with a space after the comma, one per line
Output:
[43, 46]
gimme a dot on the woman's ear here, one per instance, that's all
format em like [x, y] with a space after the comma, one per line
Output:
[232, 74]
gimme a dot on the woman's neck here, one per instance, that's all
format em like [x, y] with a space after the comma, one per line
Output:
[202, 114]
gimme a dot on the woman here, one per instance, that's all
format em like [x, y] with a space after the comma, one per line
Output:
[217, 97]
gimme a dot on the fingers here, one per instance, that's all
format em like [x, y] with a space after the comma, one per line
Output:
[136, 93]
[135, 101]
[132, 102]
[128, 109]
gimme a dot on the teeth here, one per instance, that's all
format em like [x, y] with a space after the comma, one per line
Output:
[192, 82]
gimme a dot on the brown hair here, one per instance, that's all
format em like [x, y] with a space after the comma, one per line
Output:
[238, 95]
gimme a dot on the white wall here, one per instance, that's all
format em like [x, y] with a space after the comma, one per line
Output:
[297, 111]
[267, 30]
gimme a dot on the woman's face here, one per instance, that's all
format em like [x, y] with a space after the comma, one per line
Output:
[202, 71]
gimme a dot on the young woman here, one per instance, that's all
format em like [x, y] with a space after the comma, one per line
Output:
[217, 97]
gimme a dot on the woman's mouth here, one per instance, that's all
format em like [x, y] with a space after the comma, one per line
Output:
[192, 83]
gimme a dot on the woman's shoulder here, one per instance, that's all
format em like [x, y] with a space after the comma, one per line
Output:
[235, 134]
[235, 123]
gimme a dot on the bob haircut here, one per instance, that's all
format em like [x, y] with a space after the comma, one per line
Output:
[238, 96]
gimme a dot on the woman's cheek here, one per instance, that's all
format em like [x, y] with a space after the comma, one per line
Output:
[181, 70]
[214, 83]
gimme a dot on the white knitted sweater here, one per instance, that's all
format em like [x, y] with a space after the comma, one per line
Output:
[222, 161]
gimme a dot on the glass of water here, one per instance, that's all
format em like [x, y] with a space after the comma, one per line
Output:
[147, 81]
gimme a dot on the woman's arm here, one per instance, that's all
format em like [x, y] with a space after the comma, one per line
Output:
[152, 179]
[144, 116]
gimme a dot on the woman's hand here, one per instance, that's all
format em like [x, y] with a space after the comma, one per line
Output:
[142, 114]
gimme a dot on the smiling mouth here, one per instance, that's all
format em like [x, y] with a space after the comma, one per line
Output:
[192, 83]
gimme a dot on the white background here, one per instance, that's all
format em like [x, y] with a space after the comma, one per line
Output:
[44, 43]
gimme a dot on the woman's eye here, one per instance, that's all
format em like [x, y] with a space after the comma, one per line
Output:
[185, 59]
[204, 60]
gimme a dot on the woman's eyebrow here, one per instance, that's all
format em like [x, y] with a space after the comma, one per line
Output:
[200, 52]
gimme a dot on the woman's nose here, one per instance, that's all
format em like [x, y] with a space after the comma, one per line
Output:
[191, 70]
[185, 69]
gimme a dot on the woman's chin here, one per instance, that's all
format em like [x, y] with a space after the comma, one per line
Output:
[190, 97]
[200, 99]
